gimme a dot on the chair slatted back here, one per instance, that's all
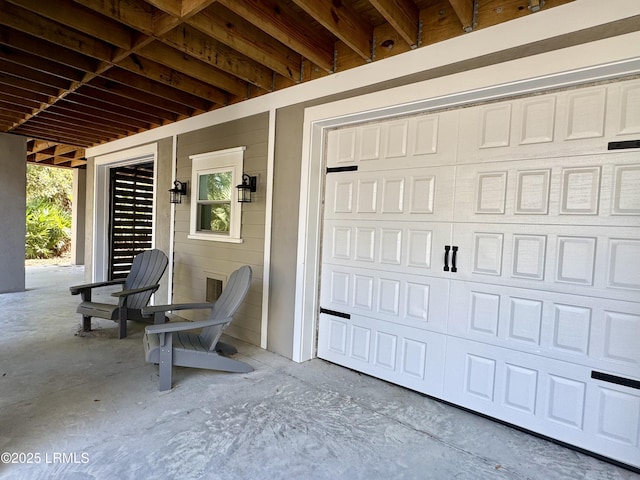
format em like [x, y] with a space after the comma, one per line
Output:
[147, 269]
[227, 304]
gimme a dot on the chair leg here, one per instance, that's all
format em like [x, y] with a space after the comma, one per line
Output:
[86, 323]
[166, 363]
[122, 328]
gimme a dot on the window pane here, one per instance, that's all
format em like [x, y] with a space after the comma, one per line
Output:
[214, 218]
[215, 186]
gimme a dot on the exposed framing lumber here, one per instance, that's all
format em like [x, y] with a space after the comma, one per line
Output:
[342, 22]
[173, 59]
[68, 13]
[143, 84]
[163, 74]
[85, 72]
[279, 21]
[403, 15]
[243, 36]
[464, 11]
[204, 48]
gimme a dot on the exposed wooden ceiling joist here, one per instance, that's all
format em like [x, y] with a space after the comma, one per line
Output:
[80, 73]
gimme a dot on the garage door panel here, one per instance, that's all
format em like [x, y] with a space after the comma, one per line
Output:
[588, 190]
[423, 140]
[413, 300]
[412, 247]
[572, 122]
[574, 259]
[583, 330]
[406, 356]
[419, 194]
[553, 398]
[626, 97]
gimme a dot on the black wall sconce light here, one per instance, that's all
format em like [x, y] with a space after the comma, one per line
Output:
[249, 184]
[179, 189]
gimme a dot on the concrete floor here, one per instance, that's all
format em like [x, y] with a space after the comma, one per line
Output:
[88, 407]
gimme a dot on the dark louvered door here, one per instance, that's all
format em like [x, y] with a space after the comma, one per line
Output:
[130, 216]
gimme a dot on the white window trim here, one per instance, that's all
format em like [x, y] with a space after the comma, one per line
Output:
[229, 159]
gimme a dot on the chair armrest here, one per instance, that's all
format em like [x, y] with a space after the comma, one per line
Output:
[146, 311]
[182, 326]
[133, 291]
[76, 289]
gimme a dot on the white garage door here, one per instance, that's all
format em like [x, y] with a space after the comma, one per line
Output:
[490, 256]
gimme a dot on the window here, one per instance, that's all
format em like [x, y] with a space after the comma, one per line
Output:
[215, 211]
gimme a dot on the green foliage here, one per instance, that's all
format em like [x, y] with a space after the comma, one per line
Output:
[216, 188]
[54, 184]
[220, 216]
[48, 218]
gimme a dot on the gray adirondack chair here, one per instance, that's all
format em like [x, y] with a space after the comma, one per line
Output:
[171, 344]
[141, 282]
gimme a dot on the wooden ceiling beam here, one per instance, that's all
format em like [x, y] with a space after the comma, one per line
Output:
[103, 117]
[37, 76]
[181, 9]
[6, 118]
[249, 41]
[22, 102]
[198, 45]
[150, 100]
[71, 127]
[282, 23]
[70, 14]
[69, 151]
[12, 107]
[40, 64]
[343, 22]
[58, 161]
[37, 26]
[163, 23]
[28, 85]
[135, 107]
[76, 118]
[172, 7]
[464, 12]
[114, 128]
[144, 84]
[46, 50]
[26, 95]
[402, 15]
[101, 105]
[172, 58]
[136, 14]
[163, 74]
[242, 36]
[35, 146]
[192, 7]
[38, 131]
[63, 153]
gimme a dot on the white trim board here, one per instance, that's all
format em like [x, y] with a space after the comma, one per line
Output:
[605, 59]
[543, 25]
[268, 215]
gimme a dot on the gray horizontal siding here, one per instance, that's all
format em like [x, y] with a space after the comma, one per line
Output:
[194, 259]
